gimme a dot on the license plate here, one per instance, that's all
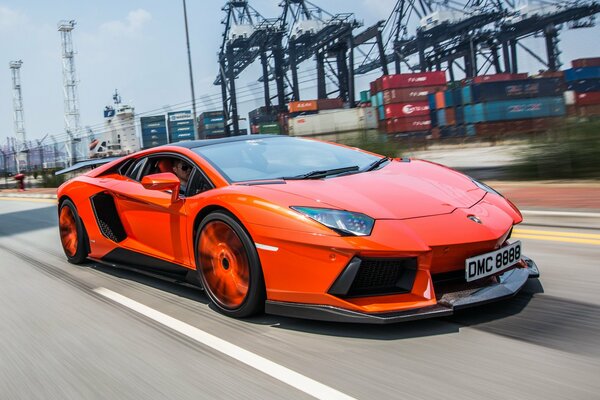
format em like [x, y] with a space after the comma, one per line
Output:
[493, 262]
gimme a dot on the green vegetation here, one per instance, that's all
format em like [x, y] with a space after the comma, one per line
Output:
[568, 151]
[375, 143]
[49, 180]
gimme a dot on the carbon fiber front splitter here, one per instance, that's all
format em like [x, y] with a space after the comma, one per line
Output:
[507, 285]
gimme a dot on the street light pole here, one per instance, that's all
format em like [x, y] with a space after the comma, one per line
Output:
[189, 54]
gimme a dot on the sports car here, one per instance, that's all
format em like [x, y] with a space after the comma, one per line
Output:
[299, 227]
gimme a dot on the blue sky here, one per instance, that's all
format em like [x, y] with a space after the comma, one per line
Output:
[139, 48]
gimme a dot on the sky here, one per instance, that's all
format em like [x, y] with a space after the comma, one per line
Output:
[139, 48]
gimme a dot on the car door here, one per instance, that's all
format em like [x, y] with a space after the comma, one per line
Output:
[154, 223]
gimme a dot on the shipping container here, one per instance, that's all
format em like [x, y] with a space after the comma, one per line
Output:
[452, 131]
[498, 78]
[505, 90]
[433, 117]
[459, 115]
[448, 99]
[381, 113]
[346, 120]
[421, 79]
[411, 124]
[400, 110]
[330, 104]
[269, 128]
[587, 99]
[589, 111]
[405, 95]
[365, 96]
[210, 114]
[515, 109]
[299, 106]
[569, 97]
[441, 117]
[380, 101]
[374, 101]
[586, 62]
[372, 89]
[571, 110]
[440, 100]
[431, 101]
[181, 126]
[450, 116]
[513, 127]
[584, 85]
[577, 74]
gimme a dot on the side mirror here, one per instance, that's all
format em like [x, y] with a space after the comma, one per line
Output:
[163, 181]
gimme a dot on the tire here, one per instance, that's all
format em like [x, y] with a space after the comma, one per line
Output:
[228, 266]
[72, 233]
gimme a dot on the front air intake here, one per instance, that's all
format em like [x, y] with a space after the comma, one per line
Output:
[375, 277]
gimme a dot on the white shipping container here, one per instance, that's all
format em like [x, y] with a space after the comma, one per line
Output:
[570, 97]
[334, 121]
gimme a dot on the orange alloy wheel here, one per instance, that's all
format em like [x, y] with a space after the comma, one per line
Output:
[68, 231]
[225, 265]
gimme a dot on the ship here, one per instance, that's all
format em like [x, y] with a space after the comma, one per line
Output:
[118, 137]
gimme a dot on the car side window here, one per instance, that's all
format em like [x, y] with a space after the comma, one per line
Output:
[198, 183]
[134, 170]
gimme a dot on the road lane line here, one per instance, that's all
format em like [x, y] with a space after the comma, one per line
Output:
[281, 373]
[561, 213]
[557, 233]
[558, 239]
[34, 200]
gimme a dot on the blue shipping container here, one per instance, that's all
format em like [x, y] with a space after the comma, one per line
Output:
[431, 100]
[505, 90]
[380, 99]
[448, 98]
[441, 117]
[576, 74]
[585, 85]
[433, 117]
[381, 113]
[473, 113]
[459, 115]
[213, 120]
[517, 109]
[457, 96]
[374, 101]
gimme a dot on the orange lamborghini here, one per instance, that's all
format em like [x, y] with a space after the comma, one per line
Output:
[299, 227]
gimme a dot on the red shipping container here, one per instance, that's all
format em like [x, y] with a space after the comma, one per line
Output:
[330, 104]
[498, 78]
[587, 99]
[409, 94]
[299, 106]
[589, 111]
[450, 116]
[411, 124]
[399, 110]
[420, 79]
[373, 88]
[586, 62]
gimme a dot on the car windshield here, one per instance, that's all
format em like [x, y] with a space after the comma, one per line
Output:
[283, 157]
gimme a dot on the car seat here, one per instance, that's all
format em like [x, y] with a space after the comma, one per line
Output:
[164, 165]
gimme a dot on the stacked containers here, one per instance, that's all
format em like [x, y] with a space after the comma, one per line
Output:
[514, 106]
[583, 81]
[211, 124]
[154, 131]
[181, 126]
[402, 102]
[265, 120]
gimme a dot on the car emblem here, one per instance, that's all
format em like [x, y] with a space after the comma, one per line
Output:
[474, 219]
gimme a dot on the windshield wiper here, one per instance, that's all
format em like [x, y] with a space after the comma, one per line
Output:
[377, 164]
[322, 173]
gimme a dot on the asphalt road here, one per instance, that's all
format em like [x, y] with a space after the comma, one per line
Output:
[62, 338]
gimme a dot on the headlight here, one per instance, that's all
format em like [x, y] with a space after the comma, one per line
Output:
[485, 187]
[345, 223]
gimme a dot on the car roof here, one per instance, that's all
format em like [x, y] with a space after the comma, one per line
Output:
[192, 144]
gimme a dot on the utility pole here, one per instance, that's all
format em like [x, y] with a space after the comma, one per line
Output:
[21, 145]
[72, 127]
[189, 54]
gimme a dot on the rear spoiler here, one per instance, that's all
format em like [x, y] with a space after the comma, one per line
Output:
[86, 164]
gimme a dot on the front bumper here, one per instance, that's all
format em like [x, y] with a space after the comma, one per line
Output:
[507, 285]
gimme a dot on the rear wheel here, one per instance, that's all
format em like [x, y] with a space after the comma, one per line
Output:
[229, 267]
[72, 233]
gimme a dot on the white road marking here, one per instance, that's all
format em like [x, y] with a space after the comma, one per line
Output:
[265, 247]
[561, 213]
[283, 374]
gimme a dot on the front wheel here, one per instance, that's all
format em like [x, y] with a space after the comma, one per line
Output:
[72, 233]
[229, 267]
